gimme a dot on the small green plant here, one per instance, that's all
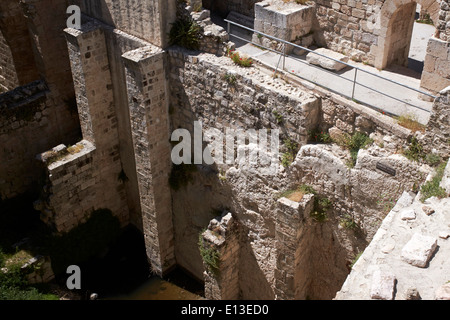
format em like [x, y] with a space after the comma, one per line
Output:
[288, 157]
[415, 151]
[316, 136]
[355, 259]
[354, 143]
[432, 188]
[348, 222]
[426, 20]
[321, 207]
[230, 78]
[185, 33]
[13, 283]
[209, 254]
[433, 159]
[278, 117]
[386, 202]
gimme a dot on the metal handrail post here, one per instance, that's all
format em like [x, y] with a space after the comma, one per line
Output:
[354, 84]
[284, 56]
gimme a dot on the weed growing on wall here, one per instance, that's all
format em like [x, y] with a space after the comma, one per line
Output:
[209, 254]
[432, 188]
[185, 33]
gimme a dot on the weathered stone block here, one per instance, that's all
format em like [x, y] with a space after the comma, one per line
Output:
[383, 286]
[443, 293]
[325, 62]
[418, 250]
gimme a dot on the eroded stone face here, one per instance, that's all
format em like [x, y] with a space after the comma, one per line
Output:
[383, 286]
[419, 250]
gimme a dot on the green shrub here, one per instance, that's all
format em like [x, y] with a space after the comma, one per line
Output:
[432, 188]
[433, 159]
[291, 148]
[355, 143]
[230, 78]
[14, 285]
[185, 33]
[348, 222]
[321, 207]
[316, 136]
[415, 150]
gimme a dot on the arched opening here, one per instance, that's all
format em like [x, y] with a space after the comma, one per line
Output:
[398, 39]
[399, 34]
[423, 30]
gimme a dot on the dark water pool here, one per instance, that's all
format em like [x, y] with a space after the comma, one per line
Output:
[123, 273]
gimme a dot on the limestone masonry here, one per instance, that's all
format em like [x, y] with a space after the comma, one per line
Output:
[86, 118]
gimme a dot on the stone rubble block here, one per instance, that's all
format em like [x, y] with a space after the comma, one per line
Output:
[444, 234]
[326, 63]
[408, 214]
[383, 286]
[419, 250]
[405, 200]
[443, 293]
[428, 210]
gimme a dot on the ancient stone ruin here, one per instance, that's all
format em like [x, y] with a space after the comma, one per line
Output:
[358, 206]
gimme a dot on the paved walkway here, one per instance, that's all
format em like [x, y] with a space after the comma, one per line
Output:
[390, 98]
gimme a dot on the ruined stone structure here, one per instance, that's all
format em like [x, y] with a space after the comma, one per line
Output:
[87, 116]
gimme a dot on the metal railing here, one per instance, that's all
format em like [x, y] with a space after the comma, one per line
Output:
[354, 81]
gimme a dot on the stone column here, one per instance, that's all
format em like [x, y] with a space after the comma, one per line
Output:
[436, 69]
[219, 247]
[437, 135]
[293, 255]
[148, 106]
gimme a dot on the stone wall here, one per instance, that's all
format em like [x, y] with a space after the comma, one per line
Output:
[437, 136]
[8, 75]
[200, 91]
[363, 29]
[18, 62]
[284, 20]
[221, 241]
[88, 177]
[28, 126]
[436, 72]
[149, 20]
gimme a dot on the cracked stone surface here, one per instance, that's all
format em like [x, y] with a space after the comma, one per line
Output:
[418, 240]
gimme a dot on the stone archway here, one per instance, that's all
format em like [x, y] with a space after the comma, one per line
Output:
[395, 29]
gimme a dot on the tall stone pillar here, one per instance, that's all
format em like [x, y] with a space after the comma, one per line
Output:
[293, 254]
[149, 116]
[219, 248]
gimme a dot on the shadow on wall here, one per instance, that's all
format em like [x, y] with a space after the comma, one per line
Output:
[252, 280]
